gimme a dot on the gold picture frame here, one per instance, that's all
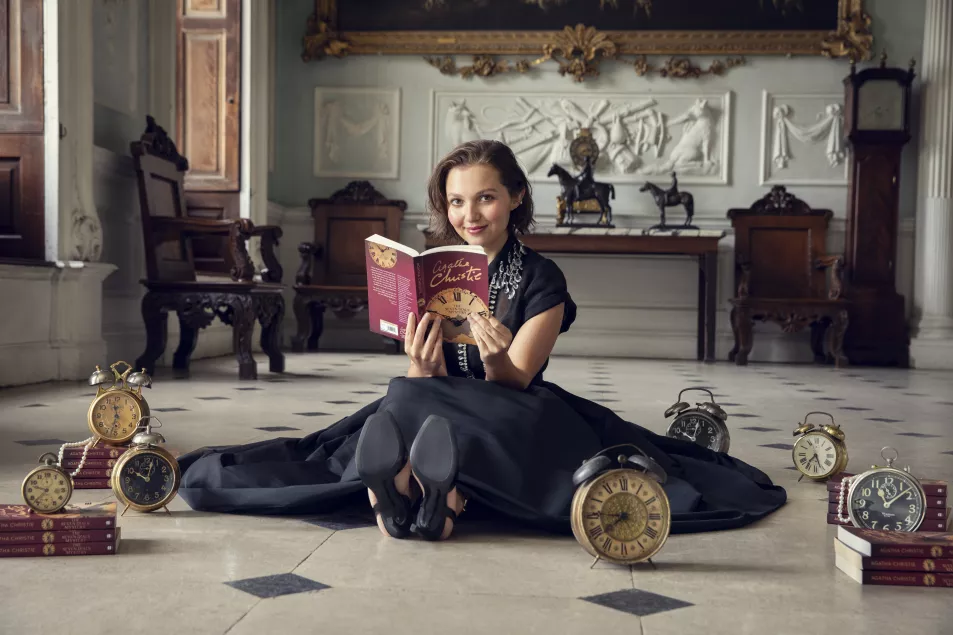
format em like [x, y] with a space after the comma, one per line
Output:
[579, 48]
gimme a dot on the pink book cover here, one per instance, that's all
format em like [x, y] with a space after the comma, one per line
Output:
[450, 281]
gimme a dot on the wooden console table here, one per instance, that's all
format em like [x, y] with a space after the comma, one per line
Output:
[700, 244]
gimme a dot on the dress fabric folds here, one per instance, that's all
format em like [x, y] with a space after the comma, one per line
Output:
[518, 449]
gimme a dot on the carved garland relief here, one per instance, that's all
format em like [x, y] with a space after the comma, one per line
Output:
[637, 136]
[804, 139]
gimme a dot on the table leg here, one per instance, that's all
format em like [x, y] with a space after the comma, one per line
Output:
[700, 340]
[711, 304]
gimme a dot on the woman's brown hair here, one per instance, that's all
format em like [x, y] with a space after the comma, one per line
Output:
[481, 152]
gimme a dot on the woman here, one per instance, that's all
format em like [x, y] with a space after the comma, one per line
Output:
[475, 422]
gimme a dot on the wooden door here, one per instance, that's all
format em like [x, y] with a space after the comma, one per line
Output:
[208, 108]
[21, 130]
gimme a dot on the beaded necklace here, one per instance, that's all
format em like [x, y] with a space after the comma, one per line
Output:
[507, 278]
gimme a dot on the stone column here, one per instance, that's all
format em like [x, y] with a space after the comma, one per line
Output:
[933, 344]
[80, 231]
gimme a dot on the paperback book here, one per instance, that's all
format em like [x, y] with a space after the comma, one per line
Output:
[450, 281]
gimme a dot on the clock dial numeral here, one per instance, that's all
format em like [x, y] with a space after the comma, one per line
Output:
[655, 516]
[651, 532]
[607, 488]
[457, 296]
[596, 531]
[442, 299]
[623, 485]
[607, 544]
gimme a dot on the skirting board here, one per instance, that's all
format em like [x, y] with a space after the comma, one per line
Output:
[33, 362]
[931, 354]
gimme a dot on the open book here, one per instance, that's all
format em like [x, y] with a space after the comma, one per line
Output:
[450, 281]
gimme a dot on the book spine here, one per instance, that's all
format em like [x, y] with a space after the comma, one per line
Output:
[100, 473]
[931, 513]
[926, 525]
[94, 453]
[98, 464]
[899, 578]
[910, 551]
[45, 523]
[932, 502]
[91, 483]
[49, 550]
[937, 489]
[919, 565]
[56, 537]
[422, 297]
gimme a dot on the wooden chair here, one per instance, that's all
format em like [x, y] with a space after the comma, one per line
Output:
[333, 274]
[172, 280]
[781, 261]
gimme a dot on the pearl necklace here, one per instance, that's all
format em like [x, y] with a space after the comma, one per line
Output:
[840, 501]
[507, 278]
[86, 445]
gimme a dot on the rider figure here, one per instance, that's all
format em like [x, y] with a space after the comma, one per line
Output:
[585, 180]
[671, 192]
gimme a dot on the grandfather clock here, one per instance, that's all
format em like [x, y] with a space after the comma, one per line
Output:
[877, 104]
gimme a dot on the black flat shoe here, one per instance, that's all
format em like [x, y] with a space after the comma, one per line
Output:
[433, 459]
[380, 456]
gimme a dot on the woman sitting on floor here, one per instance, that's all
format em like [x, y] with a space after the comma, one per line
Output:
[475, 423]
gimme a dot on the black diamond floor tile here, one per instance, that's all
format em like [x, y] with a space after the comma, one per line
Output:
[386, 383]
[250, 388]
[363, 392]
[42, 442]
[916, 394]
[885, 420]
[829, 399]
[276, 380]
[606, 400]
[637, 602]
[725, 403]
[790, 467]
[762, 429]
[809, 390]
[271, 586]
[950, 452]
[792, 383]
[920, 435]
[35, 405]
[778, 446]
[854, 408]
[171, 409]
[341, 401]
[214, 398]
[276, 428]
[312, 414]
[343, 522]
[743, 415]
[945, 403]
[598, 384]
[603, 392]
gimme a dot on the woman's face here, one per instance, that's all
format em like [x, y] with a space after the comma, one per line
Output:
[479, 206]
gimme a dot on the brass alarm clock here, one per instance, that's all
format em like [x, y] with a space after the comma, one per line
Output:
[703, 425]
[147, 476]
[119, 405]
[884, 498]
[47, 488]
[620, 514]
[819, 452]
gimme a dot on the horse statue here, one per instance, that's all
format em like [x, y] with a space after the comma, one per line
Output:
[582, 190]
[671, 198]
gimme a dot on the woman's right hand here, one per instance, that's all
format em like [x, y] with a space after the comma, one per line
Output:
[424, 349]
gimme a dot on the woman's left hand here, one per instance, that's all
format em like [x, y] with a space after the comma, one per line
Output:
[492, 337]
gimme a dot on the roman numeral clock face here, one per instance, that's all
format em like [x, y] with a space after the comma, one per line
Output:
[815, 455]
[454, 305]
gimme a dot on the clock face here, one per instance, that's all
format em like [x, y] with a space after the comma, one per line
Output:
[454, 305]
[47, 490]
[698, 429]
[148, 479]
[115, 415]
[886, 499]
[815, 455]
[384, 256]
[624, 516]
[880, 105]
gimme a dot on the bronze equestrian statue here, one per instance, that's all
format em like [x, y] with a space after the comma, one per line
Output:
[584, 188]
[671, 198]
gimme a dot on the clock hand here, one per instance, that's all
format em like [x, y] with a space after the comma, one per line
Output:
[880, 493]
[887, 503]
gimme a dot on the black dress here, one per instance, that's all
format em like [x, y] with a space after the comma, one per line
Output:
[518, 449]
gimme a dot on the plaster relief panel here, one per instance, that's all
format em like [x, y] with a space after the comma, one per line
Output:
[803, 140]
[639, 136]
[116, 54]
[356, 132]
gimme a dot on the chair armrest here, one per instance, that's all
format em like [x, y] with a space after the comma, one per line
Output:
[835, 274]
[744, 277]
[207, 226]
[269, 234]
[309, 252]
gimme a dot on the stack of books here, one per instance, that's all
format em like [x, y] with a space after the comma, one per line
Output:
[78, 530]
[937, 514]
[98, 467]
[895, 557]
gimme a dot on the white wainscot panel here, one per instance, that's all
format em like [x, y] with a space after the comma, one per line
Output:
[802, 139]
[638, 135]
[357, 132]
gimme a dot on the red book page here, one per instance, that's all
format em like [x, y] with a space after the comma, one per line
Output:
[391, 289]
[455, 284]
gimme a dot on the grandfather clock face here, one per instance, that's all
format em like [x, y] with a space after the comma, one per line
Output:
[880, 105]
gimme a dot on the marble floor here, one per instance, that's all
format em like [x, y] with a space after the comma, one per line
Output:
[192, 572]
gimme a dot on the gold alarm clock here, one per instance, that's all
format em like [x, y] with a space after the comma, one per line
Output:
[620, 514]
[819, 452]
[454, 305]
[147, 476]
[47, 488]
[119, 406]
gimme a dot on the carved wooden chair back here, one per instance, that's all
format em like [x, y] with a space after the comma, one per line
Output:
[341, 223]
[778, 243]
[160, 171]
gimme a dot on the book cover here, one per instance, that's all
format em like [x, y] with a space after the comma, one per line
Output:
[21, 518]
[99, 548]
[858, 562]
[932, 502]
[450, 281]
[926, 525]
[92, 483]
[99, 464]
[895, 578]
[930, 513]
[870, 542]
[932, 488]
[56, 537]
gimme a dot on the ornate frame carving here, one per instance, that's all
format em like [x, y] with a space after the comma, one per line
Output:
[579, 49]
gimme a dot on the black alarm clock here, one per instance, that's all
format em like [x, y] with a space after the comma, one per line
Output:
[703, 425]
